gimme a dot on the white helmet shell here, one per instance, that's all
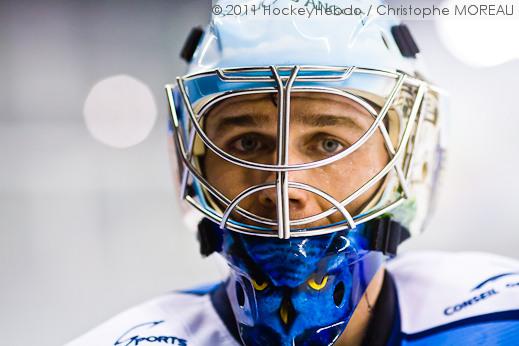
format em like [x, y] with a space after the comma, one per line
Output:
[320, 39]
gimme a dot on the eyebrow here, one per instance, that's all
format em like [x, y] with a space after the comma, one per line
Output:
[325, 120]
[245, 120]
[314, 120]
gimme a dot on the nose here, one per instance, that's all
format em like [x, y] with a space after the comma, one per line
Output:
[298, 199]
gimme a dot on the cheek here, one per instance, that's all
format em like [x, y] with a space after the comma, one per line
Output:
[217, 172]
[370, 158]
[340, 178]
[344, 177]
[228, 178]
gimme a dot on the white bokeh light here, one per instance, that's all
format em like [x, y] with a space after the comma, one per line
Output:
[120, 111]
[482, 40]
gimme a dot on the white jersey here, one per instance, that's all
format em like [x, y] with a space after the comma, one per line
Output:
[441, 297]
[181, 319]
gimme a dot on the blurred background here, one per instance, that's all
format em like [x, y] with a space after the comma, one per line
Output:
[89, 222]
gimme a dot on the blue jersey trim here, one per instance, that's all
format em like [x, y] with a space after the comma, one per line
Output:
[512, 315]
[201, 290]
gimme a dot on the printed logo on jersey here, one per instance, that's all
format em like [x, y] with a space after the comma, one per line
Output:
[132, 336]
[493, 279]
[498, 287]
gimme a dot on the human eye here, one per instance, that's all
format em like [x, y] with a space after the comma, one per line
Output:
[249, 144]
[328, 145]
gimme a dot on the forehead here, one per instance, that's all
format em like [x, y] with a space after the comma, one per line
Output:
[301, 103]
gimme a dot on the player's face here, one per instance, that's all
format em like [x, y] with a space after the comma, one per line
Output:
[321, 126]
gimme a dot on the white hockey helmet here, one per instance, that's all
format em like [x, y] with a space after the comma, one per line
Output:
[368, 59]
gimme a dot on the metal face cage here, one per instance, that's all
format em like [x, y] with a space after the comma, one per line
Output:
[193, 96]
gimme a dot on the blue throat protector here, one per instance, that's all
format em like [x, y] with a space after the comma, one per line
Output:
[300, 291]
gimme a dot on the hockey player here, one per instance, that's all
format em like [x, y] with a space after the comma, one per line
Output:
[310, 149]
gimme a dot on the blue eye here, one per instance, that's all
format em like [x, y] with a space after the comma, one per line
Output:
[331, 146]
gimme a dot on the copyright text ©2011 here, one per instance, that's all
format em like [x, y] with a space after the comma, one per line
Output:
[310, 9]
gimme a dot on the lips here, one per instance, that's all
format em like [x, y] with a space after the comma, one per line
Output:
[294, 215]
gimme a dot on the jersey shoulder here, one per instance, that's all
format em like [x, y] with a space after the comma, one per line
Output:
[470, 295]
[176, 318]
